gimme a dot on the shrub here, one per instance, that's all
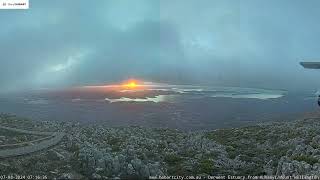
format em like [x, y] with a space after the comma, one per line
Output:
[172, 159]
[206, 166]
[308, 159]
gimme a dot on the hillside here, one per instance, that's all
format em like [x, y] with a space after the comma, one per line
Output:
[289, 148]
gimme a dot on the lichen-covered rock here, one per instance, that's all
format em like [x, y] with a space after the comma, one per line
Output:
[115, 165]
[144, 171]
[130, 170]
[287, 166]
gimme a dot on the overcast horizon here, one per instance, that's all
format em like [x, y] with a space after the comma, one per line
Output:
[243, 43]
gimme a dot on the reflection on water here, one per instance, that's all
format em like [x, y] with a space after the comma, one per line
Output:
[156, 99]
[199, 91]
[250, 96]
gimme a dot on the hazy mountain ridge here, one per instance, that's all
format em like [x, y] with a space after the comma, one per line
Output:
[290, 148]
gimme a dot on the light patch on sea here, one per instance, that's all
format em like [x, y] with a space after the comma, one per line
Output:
[248, 93]
[228, 92]
[38, 101]
[156, 99]
[251, 96]
[76, 100]
[191, 92]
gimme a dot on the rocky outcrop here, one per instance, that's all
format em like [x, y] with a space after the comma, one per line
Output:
[287, 166]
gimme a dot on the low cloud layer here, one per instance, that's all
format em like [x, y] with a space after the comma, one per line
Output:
[213, 42]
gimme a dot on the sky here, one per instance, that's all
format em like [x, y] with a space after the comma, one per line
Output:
[246, 43]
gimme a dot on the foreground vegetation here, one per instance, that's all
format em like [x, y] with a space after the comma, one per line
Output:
[291, 148]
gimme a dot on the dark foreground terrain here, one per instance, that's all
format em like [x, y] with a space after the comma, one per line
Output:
[98, 152]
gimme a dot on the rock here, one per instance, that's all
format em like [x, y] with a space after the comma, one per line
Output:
[71, 175]
[4, 165]
[303, 149]
[316, 152]
[115, 166]
[96, 176]
[130, 169]
[144, 171]
[268, 169]
[173, 146]
[154, 169]
[130, 152]
[108, 162]
[97, 154]
[101, 163]
[136, 163]
[295, 141]
[108, 149]
[292, 167]
[54, 155]
[122, 159]
[316, 140]
[91, 163]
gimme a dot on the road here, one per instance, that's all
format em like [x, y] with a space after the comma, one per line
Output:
[45, 143]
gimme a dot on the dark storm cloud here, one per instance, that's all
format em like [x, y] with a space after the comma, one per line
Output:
[246, 43]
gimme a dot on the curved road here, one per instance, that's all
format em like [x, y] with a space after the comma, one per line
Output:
[25, 131]
[56, 138]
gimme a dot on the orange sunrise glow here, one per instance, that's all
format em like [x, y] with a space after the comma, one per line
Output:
[132, 84]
